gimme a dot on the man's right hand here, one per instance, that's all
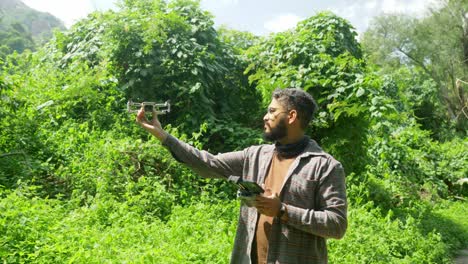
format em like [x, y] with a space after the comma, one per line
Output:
[154, 127]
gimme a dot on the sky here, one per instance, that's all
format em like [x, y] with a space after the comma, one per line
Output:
[260, 17]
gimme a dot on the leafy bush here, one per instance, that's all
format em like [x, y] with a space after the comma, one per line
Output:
[164, 51]
[447, 219]
[372, 238]
[24, 221]
[105, 230]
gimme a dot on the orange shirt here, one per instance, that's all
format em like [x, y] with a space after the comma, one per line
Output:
[274, 181]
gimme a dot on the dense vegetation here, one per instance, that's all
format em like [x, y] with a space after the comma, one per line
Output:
[81, 182]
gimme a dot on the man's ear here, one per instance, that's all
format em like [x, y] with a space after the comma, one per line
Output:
[292, 117]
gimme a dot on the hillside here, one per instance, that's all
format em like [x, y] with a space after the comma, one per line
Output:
[22, 27]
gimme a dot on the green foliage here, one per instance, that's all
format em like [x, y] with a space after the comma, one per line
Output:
[81, 182]
[105, 230]
[15, 38]
[406, 158]
[160, 51]
[434, 50]
[73, 100]
[25, 219]
[420, 96]
[238, 40]
[313, 56]
[372, 238]
[16, 139]
[449, 220]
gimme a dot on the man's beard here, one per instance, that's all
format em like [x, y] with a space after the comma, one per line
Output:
[277, 132]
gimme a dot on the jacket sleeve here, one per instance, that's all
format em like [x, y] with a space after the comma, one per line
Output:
[329, 220]
[205, 163]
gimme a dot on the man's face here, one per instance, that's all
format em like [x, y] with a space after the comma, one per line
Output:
[275, 122]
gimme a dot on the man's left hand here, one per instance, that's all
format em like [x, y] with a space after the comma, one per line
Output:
[268, 205]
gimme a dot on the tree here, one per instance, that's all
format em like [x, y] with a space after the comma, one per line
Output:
[434, 46]
[161, 51]
[15, 37]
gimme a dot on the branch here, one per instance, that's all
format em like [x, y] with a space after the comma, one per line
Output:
[12, 154]
[426, 70]
[458, 80]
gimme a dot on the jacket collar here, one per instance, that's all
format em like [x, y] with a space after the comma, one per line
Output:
[312, 149]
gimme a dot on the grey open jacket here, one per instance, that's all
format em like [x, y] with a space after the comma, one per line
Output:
[314, 192]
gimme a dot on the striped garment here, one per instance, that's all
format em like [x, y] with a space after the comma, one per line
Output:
[314, 192]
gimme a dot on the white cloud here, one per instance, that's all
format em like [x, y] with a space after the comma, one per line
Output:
[282, 22]
[69, 11]
[361, 12]
[229, 2]
[348, 12]
[414, 7]
[370, 4]
[389, 6]
[219, 3]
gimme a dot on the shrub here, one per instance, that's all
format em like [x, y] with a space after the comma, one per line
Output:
[372, 238]
[107, 231]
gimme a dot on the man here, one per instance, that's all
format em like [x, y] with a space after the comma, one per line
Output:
[305, 195]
